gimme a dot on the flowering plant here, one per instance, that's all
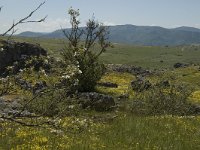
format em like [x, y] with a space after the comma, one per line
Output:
[83, 50]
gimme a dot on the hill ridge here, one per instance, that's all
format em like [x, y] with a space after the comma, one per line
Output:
[139, 35]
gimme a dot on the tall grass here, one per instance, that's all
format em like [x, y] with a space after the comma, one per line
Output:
[126, 132]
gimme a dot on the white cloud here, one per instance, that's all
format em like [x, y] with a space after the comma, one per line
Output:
[187, 25]
[197, 26]
[48, 26]
[53, 24]
[153, 25]
[107, 23]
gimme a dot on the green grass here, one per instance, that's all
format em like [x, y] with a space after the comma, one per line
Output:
[93, 130]
[125, 132]
[123, 81]
[144, 56]
[164, 132]
[150, 56]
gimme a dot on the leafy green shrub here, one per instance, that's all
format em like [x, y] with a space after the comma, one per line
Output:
[90, 71]
[82, 50]
[163, 100]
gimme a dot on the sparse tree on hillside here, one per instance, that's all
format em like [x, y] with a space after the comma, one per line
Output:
[85, 45]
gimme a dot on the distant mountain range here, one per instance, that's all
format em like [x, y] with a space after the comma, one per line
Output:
[139, 35]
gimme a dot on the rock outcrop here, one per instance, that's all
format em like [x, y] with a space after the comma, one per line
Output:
[12, 52]
[180, 65]
[128, 68]
[140, 84]
[96, 101]
[10, 106]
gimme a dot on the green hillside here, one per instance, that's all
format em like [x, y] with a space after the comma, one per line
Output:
[144, 56]
[139, 35]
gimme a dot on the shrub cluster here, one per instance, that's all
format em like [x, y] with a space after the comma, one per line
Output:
[161, 100]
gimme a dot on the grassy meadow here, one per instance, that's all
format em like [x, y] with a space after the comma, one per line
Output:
[119, 129]
[152, 57]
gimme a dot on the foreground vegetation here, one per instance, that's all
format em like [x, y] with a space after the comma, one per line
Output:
[126, 132]
[117, 129]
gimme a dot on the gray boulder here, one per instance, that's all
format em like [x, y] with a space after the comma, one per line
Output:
[140, 84]
[96, 101]
[129, 68]
[13, 52]
[180, 65]
[39, 86]
[23, 83]
[12, 107]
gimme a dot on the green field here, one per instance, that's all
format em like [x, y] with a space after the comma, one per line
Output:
[121, 128]
[151, 57]
[145, 56]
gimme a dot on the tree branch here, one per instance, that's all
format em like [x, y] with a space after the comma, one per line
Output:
[24, 20]
[24, 123]
[1, 8]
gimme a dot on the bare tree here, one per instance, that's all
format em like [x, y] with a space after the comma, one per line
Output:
[23, 20]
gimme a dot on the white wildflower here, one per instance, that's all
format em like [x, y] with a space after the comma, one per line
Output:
[79, 71]
[46, 61]
[10, 67]
[76, 82]
[56, 131]
[66, 76]
[42, 71]
[71, 106]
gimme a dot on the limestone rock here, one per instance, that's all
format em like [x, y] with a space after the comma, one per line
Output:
[11, 53]
[99, 102]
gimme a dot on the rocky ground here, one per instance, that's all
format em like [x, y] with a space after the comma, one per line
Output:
[11, 105]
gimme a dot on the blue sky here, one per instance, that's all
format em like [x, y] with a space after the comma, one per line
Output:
[165, 13]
